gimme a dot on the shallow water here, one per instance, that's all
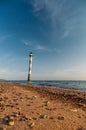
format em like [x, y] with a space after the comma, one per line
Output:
[77, 85]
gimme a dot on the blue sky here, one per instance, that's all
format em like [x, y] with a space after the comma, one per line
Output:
[54, 30]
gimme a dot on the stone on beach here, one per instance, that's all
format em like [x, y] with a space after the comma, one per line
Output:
[74, 110]
[60, 117]
[47, 103]
[26, 118]
[9, 120]
[19, 108]
[44, 116]
[2, 128]
[15, 115]
[30, 118]
[34, 97]
[6, 119]
[32, 125]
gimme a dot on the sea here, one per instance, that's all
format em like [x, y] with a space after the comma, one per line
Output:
[66, 84]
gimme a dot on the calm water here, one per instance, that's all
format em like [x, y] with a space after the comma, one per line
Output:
[78, 85]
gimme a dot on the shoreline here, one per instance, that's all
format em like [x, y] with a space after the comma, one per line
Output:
[63, 109]
[50, 84]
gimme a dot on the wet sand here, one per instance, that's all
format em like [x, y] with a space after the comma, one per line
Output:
[40, 108]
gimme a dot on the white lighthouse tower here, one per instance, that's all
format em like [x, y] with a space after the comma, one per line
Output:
[30, 67]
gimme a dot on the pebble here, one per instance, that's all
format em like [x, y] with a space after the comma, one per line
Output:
[60, 118]
[44, 116]
[11, 123]
[26, 117]
[6, 119]
[32, 125]
[35, 118]
[51, 117]
[48, 109]
[74, 110]
[20, 113]
[28, 104]
[9, 120]
[30, 118]
[21, 119]
[11, 117]
[34, 97]
[47, 103]
[15, 115]
[2, 128]
[19, 108]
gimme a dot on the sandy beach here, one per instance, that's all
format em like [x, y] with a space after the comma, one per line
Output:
[40, 108]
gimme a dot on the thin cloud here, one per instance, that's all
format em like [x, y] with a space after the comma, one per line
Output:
[26, 43]
[53, 50]
[40, 47]
[4, 37]
[34, 45]
[52, 8]
[57, 11]
[65, 34]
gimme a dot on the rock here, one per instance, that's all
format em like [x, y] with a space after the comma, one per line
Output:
[48, 109]
[20, 113]
[30, 118]
[16, 104]
[74, 110]
[47, 103]
[15, 114]
[19, 108]
[2, 103]
[12, 106]
[5, 120]
[35, 118]
[34, 97]
[11, 122]
[32, 125]
[60, 118]
[26, 117]
[28, 104]
[11, 117]
[44, 116]
[2, 128]
[51, 117]
[21, 119]
[38, 113]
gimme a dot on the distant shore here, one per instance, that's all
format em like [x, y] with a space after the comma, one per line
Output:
[42, 108]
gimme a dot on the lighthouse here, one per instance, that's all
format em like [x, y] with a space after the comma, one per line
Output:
[30, 67]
